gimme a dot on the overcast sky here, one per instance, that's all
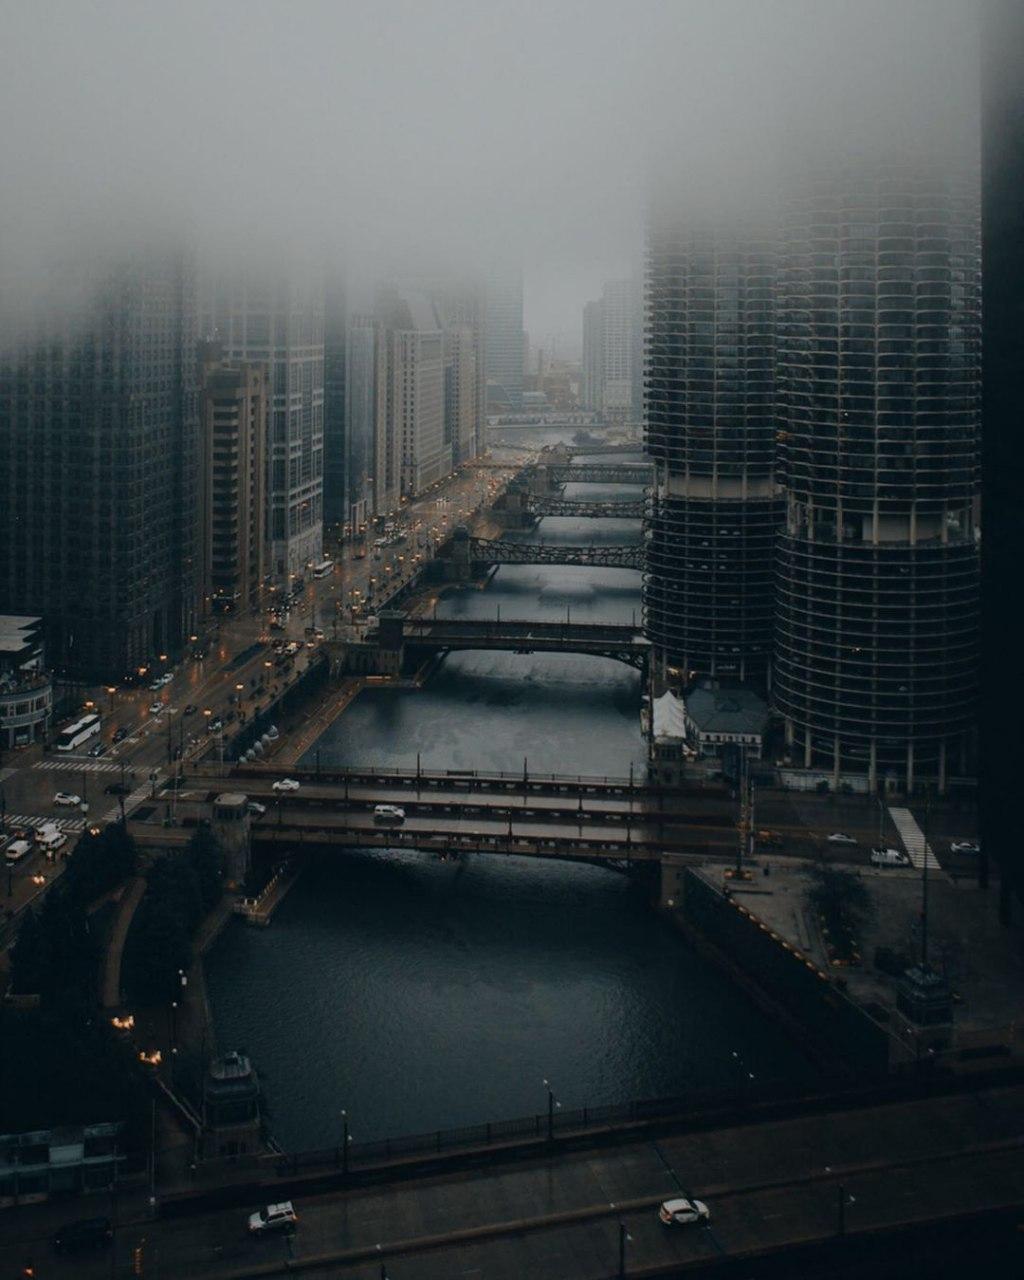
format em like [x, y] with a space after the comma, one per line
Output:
[440, 131]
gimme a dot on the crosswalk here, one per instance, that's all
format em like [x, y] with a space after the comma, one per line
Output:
[131, 801]
[78, 766]
[70, 825]
[918, 849]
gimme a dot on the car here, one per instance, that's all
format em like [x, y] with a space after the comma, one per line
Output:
[215, 725]
[889, 858]
[388, 813]
[16, 850]
[86, 1233]
[166, 678]
[189, 710]
[67, 798]
[97, 749]
[964, 846]
[156, 686]
[684, 1212]
[120, 733]
[199, 654]
[286, 784]
[273, 1217]
[840, 837]
[256, 809]
[116, 789]
[155, 708]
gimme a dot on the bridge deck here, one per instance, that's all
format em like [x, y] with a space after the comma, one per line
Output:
[495, 551]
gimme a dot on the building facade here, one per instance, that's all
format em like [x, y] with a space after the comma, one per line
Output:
[337, 482]
[280, 324]
[26, 688]
[365, 423]
[414, 388]
[714, 507]
[233, 499]
[99, 430]
[879, 399]
[461, 394]
[592, 388]
[504, 339]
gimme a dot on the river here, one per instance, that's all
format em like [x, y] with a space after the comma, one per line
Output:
[419, 995]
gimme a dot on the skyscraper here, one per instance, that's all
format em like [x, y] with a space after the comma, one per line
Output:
[280, 323]
[336, 444]
[714, 506]
[414, 383]
[879, 395]
[365, 422]
[232, 480]
[99, 423]
[503, 339]
[593, 357]
[612, 345]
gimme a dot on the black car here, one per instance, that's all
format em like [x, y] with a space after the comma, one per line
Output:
[190, 710]
[121, 733]
[116, 789]
[97, 749]
[86, 1233]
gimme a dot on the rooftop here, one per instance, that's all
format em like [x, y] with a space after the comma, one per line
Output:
[726, 710]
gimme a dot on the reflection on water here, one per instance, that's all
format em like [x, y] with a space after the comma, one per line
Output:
[421, 995]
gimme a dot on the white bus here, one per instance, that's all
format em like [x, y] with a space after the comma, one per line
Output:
[323, 569]
[81, 731]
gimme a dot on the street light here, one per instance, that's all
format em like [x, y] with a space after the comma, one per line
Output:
[552, 1104]
[624, 1238]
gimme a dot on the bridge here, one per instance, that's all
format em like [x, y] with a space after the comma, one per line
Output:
[613, 509]
[623, 643]
[495, 551]
[596, 472]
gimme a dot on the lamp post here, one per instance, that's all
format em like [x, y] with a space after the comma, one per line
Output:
[552, 1105]
[346, 1139]
[624, 1239]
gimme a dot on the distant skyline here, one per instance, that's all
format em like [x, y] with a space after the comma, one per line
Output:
[436, 135]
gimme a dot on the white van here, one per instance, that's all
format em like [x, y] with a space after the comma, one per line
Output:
[17, 850]
[388, 813]
[50, 839]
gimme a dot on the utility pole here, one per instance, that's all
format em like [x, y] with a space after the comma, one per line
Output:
[924, 883]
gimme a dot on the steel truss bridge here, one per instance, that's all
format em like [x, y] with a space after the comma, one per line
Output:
[597, 472]
[497, 551]
[623, 643]
[542, 505]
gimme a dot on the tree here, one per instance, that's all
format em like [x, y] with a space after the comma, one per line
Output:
[842, 901]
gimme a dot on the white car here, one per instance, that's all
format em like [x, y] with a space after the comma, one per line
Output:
[965, 846]
[155, 708]
[66, 797]
[156, 686]
[684, 1213]
[256, 809]
[286, 784]
[166, 678]
[889, 858]
[840, 837]
[274, 1217]
[388, 813]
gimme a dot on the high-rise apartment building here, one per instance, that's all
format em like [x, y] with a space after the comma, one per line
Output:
[280, 323]
[99, 428]
[503, 339]
[232, 480]
[714, 507]
[879, 396]
[336, 446]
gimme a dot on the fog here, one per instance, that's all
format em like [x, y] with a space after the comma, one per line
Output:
[439, 134]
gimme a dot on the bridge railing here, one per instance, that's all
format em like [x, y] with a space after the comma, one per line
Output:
[558, 1123]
